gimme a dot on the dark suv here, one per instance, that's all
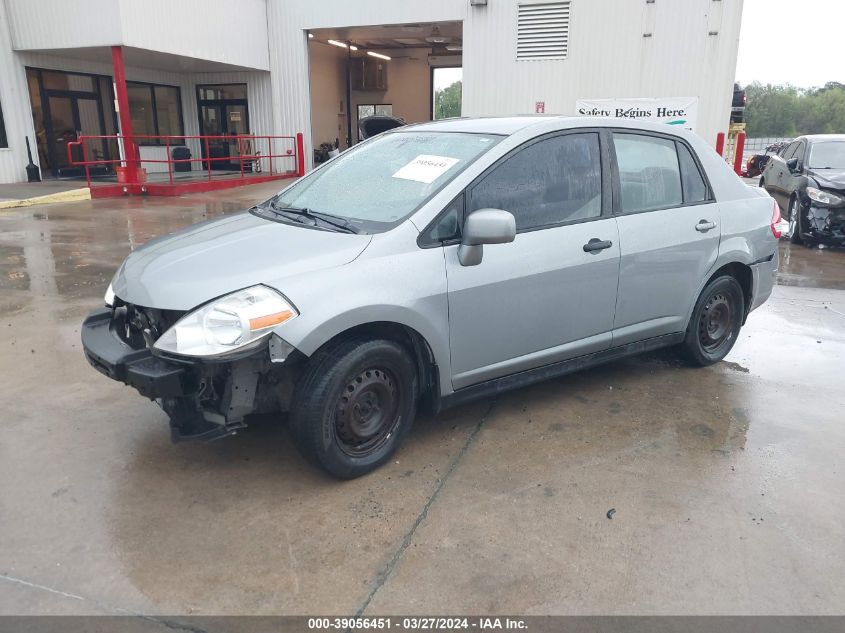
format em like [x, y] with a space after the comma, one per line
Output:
[807, 178]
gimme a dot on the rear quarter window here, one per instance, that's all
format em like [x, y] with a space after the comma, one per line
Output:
[695, 188]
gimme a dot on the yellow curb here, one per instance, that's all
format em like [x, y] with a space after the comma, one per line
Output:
[71, 195]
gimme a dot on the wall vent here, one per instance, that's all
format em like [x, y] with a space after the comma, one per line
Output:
[542, 30]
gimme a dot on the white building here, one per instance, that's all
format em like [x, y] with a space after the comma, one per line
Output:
[265, 67]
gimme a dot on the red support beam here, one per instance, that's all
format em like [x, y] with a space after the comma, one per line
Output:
[720, 143]
[740, 146]
[300, 154]
[122, 96]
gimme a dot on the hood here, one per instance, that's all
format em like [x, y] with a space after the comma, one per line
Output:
[210, 259]
[829, 178]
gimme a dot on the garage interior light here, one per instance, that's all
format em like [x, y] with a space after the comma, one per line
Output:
[379, 55]
[310, 36]
[336, 43]
[352, 47]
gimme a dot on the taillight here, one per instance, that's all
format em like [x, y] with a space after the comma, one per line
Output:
[776, 218]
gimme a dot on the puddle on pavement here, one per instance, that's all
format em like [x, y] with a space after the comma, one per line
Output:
[811, 267]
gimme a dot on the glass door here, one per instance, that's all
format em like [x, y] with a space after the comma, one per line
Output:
[72, 117]
[223, 111]
[211, 124]
[88, 124]
[64, 128]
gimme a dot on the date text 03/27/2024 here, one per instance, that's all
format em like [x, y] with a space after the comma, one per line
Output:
[417, 624]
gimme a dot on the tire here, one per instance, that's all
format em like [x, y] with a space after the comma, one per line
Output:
[794, 222]
[715, 323]
[353, 405]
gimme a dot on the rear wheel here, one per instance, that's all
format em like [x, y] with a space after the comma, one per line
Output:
[795, 221]
[716, 321]
[353, 405]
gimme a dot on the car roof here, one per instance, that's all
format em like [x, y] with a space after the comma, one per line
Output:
[512, 124]
[506, 125]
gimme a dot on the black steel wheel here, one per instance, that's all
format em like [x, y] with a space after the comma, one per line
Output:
[716, 321]
[714, 325]
[367, 411]
[353, 405]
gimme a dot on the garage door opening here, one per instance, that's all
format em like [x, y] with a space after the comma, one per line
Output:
[410, 72]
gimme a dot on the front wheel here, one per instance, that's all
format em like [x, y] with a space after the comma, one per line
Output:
[795, 222]
[353, 405]
[716, 321]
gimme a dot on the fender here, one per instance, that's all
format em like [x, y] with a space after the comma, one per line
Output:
[429, 332]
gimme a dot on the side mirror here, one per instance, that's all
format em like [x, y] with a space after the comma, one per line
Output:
[485, 226]
[792, 164]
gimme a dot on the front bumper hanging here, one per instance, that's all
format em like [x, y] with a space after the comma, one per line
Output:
[138, 368]
[203, 400]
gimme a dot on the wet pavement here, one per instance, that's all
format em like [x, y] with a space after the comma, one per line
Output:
[728, 482]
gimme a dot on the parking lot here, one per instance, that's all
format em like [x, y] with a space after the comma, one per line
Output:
[727, 482]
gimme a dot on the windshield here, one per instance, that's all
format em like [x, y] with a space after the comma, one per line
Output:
[827, 155]
[379, 183]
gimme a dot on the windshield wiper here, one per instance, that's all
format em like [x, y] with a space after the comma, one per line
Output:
[331, 220]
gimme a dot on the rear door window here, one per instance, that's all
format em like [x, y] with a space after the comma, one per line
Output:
[649, 172]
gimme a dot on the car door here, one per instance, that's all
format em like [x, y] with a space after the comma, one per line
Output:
[779, 175]
[550, 294]
[668, 233]
[791, 180]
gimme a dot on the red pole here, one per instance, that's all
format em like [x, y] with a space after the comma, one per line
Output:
[740, 145]
[208, 159]
[241, 156]
[87, 167]
[720, 143]
[125, 120]
[300, 154]
[169, 161]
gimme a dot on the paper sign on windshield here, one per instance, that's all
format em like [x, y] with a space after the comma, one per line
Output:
[426, 168]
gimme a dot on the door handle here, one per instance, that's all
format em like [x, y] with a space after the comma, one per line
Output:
[704, 225]
[596, 244]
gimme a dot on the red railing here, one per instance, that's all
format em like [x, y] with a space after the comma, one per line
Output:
[248, 159]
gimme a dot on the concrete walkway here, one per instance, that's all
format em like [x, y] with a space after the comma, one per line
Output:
[24, 194]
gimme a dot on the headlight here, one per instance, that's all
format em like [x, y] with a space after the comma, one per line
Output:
[228, 323]
[824, 197]
[109, 298]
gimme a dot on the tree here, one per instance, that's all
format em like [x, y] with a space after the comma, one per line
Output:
[784, 110]
[447, 102]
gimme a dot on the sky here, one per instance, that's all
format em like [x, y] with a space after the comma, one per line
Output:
[800, 42]
[444, 77]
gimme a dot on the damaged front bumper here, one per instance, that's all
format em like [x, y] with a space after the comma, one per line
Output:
[205, 399]
[825, 224]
